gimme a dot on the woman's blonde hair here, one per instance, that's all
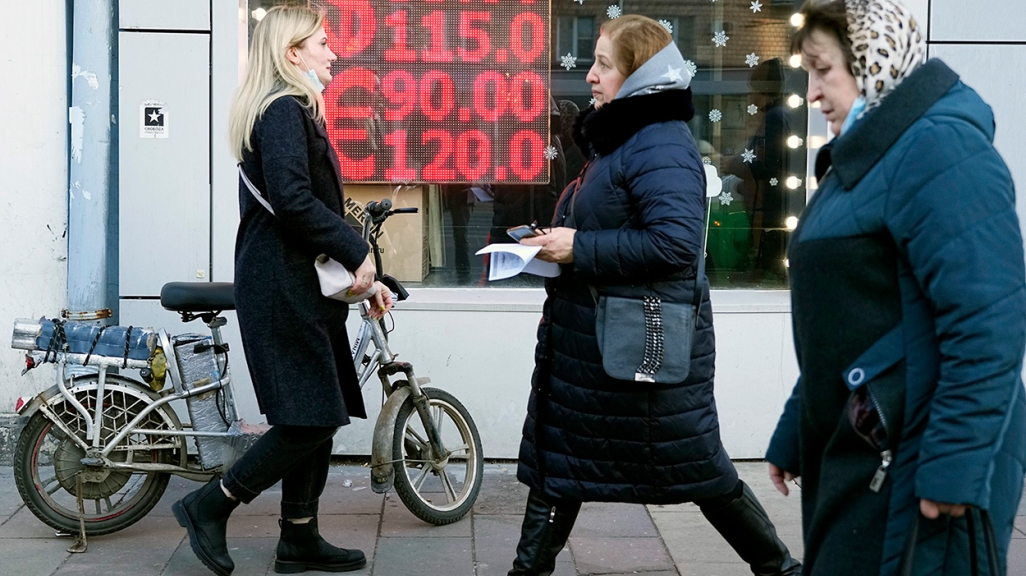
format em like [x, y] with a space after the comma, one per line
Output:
[635, 39]
[270, 75]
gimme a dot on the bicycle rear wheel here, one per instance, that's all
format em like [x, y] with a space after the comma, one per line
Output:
[49, 473]
[438, 488]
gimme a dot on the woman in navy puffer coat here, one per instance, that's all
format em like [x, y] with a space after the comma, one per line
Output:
[631, 226]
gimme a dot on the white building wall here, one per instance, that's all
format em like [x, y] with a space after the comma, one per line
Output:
[985, 42]
[33, 180]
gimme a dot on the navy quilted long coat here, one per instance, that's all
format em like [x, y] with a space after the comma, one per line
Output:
[639, 213]
[296, 344]
[909, 309]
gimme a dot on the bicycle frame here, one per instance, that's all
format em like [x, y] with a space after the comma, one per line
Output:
[97, 455]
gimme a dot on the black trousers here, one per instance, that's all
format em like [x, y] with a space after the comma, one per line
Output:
[298, 456]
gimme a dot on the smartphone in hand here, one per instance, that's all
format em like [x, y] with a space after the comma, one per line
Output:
[518, 233]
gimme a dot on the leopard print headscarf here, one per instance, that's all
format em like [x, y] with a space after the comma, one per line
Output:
[887, 45]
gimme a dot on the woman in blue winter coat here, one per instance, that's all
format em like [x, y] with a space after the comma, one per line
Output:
[631, 226]
[907, 424]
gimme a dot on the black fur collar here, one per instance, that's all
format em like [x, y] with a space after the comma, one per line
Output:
[607, 128]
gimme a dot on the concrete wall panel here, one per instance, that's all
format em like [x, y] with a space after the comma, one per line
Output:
[153, 15]
[977, 21]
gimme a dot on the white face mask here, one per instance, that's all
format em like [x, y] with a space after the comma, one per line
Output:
[311, 75]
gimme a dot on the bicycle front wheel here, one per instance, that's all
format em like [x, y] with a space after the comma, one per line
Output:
[438, 488]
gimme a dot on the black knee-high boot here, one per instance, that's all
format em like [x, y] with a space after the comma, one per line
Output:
[545, 530]
[744, 524]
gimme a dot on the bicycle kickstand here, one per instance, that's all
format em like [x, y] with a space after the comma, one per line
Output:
[80, 544]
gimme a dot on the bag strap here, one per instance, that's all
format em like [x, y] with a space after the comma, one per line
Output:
[253, 189]
[989, 539]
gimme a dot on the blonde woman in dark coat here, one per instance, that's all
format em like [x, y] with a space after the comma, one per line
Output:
[296, 344]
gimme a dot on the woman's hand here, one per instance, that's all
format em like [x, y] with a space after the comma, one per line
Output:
[364, 276]
[780, 478]
[932, 509]
[557, 245]
[381, 301]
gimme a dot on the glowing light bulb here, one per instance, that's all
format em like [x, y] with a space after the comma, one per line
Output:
[259, 14]
[787, 264]
[795, 61]
[791, 223]
[795, 100]
[794, 141]
[797, 20]
[793, 182]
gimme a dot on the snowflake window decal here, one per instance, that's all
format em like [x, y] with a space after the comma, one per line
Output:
[614, 12]
[755, 7]
[748, 156]
[667, 24]
[591, 102]
[752, 60]
[725, 198]
[579, 2]
[753, 109]
[774, 181]
[551, 153]
[692, 67]
[707, 160]
[569, 61]
[720, 39]
[715, 115]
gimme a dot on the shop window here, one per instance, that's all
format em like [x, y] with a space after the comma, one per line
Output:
[576, 36]
[750, 123]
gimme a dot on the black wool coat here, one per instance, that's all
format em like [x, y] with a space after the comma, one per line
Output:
[296, 343]
[639, 214]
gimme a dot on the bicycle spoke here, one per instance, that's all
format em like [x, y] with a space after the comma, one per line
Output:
[56, 486]
[438, 419]
[419, 482]
[460, 448]
[420, 439]
[97, 503]
[109, 506]
[450, 493]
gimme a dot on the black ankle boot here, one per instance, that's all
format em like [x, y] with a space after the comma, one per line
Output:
[744, 524]
[544, 533]
[204, 514]
[302, 548]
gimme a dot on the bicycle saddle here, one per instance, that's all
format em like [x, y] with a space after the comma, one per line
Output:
[198, 296]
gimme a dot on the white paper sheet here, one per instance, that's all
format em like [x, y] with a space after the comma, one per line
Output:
[508, 260]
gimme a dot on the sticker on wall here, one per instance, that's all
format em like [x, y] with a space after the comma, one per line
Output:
[153, 121]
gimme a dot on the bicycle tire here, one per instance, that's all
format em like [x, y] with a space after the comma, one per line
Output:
[461, 439]
[52, 495]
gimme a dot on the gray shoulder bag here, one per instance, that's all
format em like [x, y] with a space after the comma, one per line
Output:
[647, 339]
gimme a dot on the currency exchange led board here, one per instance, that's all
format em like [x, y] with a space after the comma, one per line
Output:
[439, 90]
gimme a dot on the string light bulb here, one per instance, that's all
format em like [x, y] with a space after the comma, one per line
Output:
[795, 100]
[797, 20]
[259, 14]
[794, 141]
[793, 182]
[795, 61]
[791, 222]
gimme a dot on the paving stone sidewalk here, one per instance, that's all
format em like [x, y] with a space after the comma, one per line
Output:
[608, 539]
